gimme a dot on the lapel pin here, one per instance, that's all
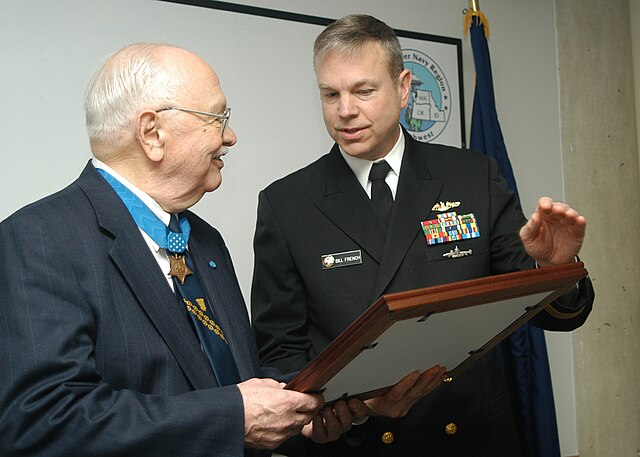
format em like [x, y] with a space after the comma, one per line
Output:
[212, 264]
[456, 252]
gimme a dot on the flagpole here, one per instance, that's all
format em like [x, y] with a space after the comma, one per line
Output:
[474, 5]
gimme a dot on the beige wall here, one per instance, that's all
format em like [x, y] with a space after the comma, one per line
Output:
[634, 7]
[600, 157]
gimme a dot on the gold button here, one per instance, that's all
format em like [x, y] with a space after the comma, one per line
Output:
[387, 437]
[448, 379]
[451, 429]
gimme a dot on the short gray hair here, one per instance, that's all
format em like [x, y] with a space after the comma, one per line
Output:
[130, 80]
[348, 35]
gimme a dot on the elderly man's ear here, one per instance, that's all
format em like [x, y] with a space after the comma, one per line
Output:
[150, 135]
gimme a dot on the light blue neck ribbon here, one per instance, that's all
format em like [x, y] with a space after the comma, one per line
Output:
[148, 221]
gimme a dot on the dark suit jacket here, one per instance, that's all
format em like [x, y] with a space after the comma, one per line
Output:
[298, 307]
[97, 356]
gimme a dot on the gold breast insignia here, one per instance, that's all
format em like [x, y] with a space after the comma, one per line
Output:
[445, 206]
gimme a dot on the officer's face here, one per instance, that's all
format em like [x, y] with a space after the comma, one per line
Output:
[361, 103]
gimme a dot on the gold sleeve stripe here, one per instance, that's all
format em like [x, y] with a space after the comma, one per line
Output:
[560, 315]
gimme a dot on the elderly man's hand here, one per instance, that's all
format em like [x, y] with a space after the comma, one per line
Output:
[272, 414]
[554, 233]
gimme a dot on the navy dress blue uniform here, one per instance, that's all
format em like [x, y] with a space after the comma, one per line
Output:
[298, 307]
[97, 352]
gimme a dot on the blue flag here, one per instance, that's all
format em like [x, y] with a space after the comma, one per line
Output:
[524, 354]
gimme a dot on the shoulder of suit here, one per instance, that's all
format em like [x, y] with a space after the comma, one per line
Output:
[306, 177]
[441, 158]
[50, 206]
[444, 152]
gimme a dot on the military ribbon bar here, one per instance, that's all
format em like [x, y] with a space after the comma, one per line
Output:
[450, 227]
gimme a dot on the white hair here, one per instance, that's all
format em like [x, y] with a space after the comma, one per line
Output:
[130, 80]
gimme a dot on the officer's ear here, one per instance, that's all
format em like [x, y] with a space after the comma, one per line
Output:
[404, 87]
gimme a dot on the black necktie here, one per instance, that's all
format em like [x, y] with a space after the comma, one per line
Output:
[381, 196]
[211, 335]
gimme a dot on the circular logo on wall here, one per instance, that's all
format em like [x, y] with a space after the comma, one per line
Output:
[429, 107]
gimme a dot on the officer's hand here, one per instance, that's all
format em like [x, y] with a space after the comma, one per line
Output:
[400, 398]
[330, 423]
[554, 233]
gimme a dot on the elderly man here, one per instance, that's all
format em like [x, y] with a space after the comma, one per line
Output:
[123, 329]
[368, 196]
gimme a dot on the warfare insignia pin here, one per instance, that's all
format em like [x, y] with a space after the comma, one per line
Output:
[456, 252]
[445, 206]
[341, 259]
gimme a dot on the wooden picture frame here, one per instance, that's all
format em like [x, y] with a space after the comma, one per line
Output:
[452, 325]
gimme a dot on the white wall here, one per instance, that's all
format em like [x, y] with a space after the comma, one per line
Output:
[50, 49]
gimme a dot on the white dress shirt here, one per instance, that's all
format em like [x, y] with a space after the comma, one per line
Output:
[362, 167]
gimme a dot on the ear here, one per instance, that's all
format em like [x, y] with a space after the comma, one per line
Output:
[150, 135]
[404, 87]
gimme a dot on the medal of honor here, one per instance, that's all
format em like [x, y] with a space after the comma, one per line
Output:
[179, 268]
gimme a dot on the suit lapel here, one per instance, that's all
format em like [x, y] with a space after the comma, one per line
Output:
[417, 191]
[138, 267]
[347, 205]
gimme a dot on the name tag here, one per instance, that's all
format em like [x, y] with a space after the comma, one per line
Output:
[341, 259]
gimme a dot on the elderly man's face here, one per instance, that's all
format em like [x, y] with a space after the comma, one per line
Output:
[195, 143]
[361, 103]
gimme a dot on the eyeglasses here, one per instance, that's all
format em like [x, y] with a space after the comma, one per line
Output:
[224, 117]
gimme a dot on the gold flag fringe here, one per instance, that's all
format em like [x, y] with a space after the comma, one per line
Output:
[482, 19]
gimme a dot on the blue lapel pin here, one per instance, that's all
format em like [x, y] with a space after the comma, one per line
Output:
[212, 264]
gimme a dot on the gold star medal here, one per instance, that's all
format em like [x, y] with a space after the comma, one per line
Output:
[179, 268]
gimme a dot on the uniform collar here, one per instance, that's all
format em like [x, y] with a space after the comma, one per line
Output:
[362, 167]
